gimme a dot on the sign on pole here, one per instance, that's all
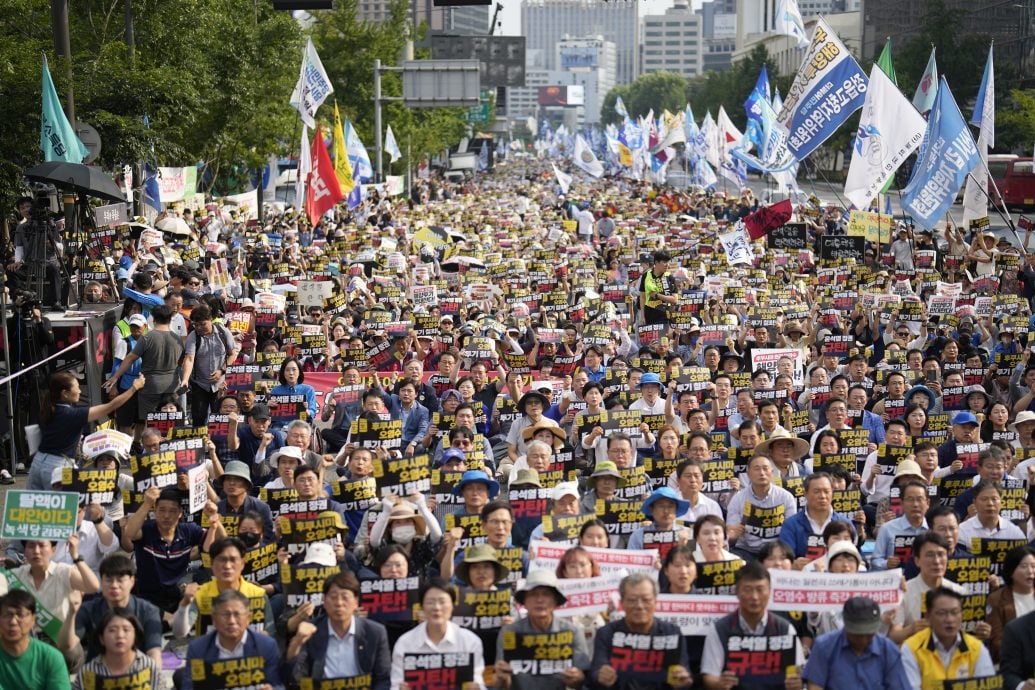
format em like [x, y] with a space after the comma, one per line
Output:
[32, 515]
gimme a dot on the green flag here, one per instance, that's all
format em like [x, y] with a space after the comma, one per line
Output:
[57, 136]
[884, 62]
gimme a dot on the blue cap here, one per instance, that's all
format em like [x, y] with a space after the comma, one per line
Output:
[450, 454]
[472, 476]
[650, 377]
[965, 418]
[122, 274]
[682, 505]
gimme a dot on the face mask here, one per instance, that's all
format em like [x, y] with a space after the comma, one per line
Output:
[404, 534]
[250, 539]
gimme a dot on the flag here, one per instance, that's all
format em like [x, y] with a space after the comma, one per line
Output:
[391, 146]
[788, 22]
[884, 62]
[753, 108]
[734, 171]
[586, 159]
[620, 108]
[358, 156]
[773, 154]
[777, 101]
[57, 136]
[975, 196]
[355, 197]
[483, 156]
[305, 165]
[736, 246]
[923, 99]
[984, 109]
[710, 134]
[890, 129]
[342, 167]
[324, 191]
[703, 174]
[563, 179]
[768, 218]
[828, 88]
[313, 85]
[152, 194]
[947, 155]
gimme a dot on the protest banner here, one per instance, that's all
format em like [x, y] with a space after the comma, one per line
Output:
[40, 515]
[362, 682]
[382, 433]
[795, 590]
[304, 583]
[438, 670]
[358, 494]
[187, 452]
[298, 534]
[151, 469]
[587, 596]
[717, 577]
[286, 503]
[761, 659]
[92, 485]
[547, 556]
[402, 476]
[482, 610]
[163, 421]
[474, 531]
[141, 680]
[644, 658]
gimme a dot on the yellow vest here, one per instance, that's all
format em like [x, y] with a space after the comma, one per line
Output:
[932, 673]
[651, 287]
[210, 590]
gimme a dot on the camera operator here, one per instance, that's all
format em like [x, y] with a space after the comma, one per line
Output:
[37, 240]
[33, 330]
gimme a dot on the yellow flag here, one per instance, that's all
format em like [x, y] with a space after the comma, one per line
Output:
[624, 155]
[342, 168]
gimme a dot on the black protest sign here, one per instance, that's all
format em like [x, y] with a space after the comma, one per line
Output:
[389, 599]
[92, 485]
[438, 670]
[792, 236]
[841, 247]
[286, 503]
[538, 654]
[482, 610]
[761, 659]
[304, 583]
[358, 494]
[621, 517]
[242, 377]
[381, 433]
[298, 534]
[474, 531]
[403, 476]
[188, 452]
[644, 658]
[151, 469]
[141, 680]
[164, 421]
[228, 674]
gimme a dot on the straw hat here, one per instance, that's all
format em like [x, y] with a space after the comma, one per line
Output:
[481, 553]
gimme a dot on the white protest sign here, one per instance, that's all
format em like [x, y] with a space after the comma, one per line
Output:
[312, 293]
[738, 250]
[794, 590]
[107, 441]
[547, 555]
[197, 481]
[768, 358]
[695, 614]
[588, 596]
[424, 295]
[941, 305]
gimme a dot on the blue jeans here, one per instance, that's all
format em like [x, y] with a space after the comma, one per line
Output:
[43, 466]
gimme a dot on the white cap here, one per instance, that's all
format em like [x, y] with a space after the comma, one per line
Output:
[565, 489]
[137, 320]
[287, 451]
[321, 553]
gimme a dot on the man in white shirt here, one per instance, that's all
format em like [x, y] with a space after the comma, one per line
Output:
[987, 522]
[650, 401]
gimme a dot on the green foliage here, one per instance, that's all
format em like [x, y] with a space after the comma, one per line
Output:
[212, 77]
[732, 87]
[1015, 123]
[658, 91]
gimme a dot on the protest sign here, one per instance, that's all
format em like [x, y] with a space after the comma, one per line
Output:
[795, 590]
[39, 515]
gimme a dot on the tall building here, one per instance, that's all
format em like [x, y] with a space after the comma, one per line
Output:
[672, 42]
[586, 62]
[758, 16]
[1010, 24]
[785, 57]
[719, 31]
[545, 22]
[470, 20]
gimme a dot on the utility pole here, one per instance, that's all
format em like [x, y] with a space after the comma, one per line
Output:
[63, 48]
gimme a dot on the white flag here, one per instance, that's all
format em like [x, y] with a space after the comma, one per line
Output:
[975, 196]
[313, 86]
[563, 179]
[927, 89]
[890, 129]
[305, 166]
[788, 21]
[391, 146]
[737, 246]
[586, 159]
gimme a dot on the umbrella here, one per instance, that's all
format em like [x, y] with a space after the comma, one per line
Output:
[77, 177]
[173, 226]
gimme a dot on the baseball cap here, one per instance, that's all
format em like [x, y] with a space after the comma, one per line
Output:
[861, 616]
[137, 320]
[259, 411]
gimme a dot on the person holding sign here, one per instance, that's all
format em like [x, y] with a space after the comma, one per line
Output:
[856, 656]
[1015, 598]
[987, 522]
[62, 421]
[120, 637]
[419, 656]
[756, 513]
[803, 531]
[241, 652]
[639, 650]
[541, 650]
[653, 297]
[941, 651]
[662, 507]
[915, 502]
[752, 647]
[341, 644]
[931, 552]
[25, 662]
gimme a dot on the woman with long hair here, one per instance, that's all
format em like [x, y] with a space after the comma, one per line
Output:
[63, 423]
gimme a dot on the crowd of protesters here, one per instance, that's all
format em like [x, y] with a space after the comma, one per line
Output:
[494, 435]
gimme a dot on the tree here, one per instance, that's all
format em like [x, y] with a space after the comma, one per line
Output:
[657, 91]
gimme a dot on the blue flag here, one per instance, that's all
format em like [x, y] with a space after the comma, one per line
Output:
[151, 195]
[483, 156]
[947, 156]
[57, 136]
[355, 197]
[753, 108]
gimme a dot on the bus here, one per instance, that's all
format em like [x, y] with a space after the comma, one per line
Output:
[1015, 178]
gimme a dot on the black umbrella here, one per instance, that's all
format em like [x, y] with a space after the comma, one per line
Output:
[77, 177]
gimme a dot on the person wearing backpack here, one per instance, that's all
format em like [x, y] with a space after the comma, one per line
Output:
[210, 349]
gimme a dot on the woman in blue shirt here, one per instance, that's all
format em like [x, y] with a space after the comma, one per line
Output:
[62, 425]
[291, 383]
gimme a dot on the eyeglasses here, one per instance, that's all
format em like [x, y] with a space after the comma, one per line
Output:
[498, 523]
[233, 615]
[947, 613]
[15, 615]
